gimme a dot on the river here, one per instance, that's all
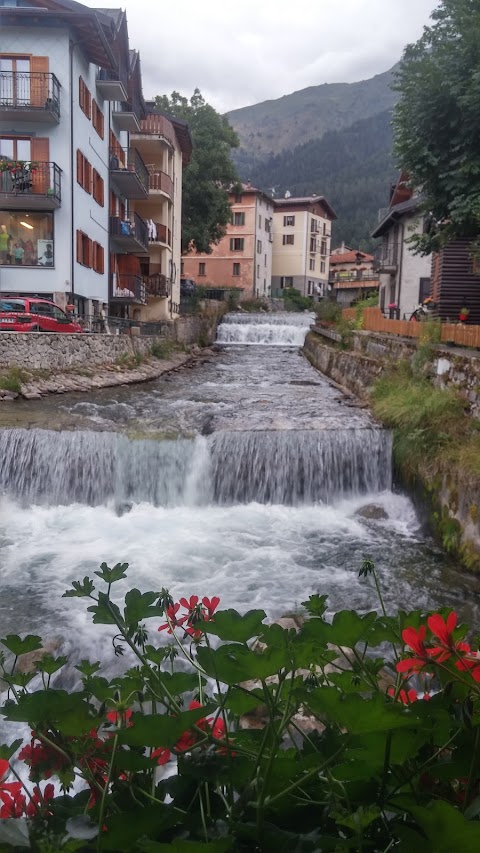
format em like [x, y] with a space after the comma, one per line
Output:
[239, 478]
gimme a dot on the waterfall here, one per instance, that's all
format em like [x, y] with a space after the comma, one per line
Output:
[290, 467]
[280, 329]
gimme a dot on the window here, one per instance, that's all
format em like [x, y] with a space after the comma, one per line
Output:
[201, 268]
[322, 266]
[238, 218]
[268, 224]
[265, 261]
[288, 220]
[259, 220]
[14, 80]
[314, 226]
[312, 263]
[84, 172]
[238, 198]
[27, 239]
[98, 189]
[424, 290]
[236, 269]
[16, 148]
[84, 98]
[97, 119]
[258, 270]
[98, 258]
[325, 229]
[259, 247]
[324, 247]
[288, 239]
[236, 244]
[84, 250]
[310, 288]
[286, 281]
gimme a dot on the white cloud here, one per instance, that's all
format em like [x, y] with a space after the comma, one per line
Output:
[240, 54]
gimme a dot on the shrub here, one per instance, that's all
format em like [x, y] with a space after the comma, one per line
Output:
[373, 749]
[328, 311]
[294, 301]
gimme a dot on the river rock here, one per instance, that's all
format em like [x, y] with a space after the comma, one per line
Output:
[372, 512]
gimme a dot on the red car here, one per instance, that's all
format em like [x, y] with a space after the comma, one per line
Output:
[19, 314]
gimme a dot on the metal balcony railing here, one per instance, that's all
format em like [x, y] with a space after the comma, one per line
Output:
[386, 257]
[129, 172]
[128, 288]
[29, 90]
[130, 233]
[158, 285]
[352, 275]
[37, 180]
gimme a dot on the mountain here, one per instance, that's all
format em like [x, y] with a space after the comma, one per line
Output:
[334, 139]
[352, 167]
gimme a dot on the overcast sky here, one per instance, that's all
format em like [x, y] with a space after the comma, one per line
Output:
[243, 53]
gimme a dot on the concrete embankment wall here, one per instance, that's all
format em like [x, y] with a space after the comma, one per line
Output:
[58, 351]
[448, 500]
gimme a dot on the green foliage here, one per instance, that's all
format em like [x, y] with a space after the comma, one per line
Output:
[328, 311]
[254, 305]
[294, 301]
[437, 122]
[12, 379]
[210, 173]
[335, 761]
[163, 349]
[428, 341]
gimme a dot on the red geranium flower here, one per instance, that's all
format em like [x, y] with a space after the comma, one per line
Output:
[172, 616]
[161, 754]
[116, 717]
[211, 605]
[414, 639]
[189, 604]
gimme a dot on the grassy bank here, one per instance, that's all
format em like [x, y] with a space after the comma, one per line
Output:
[436, 448]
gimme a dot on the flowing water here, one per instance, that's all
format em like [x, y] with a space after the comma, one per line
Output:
[240, 478]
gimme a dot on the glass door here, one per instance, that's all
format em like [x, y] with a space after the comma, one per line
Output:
[14, 81]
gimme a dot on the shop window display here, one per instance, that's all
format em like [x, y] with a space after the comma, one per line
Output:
[26, 239]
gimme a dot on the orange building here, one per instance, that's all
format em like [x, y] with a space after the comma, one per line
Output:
[243, 258]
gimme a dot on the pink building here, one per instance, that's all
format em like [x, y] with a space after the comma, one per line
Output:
[243, 258]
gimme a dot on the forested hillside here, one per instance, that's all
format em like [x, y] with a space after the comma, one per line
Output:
[352, 167]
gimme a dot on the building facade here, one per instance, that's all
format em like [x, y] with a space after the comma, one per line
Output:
[71, 176]
[405, 278]
[351, 274]
[302, 229]
[243, 258]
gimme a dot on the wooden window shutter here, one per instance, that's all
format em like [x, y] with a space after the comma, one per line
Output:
[80, 162]
[87, 184]
[38, 80]
[81, 93]
[88, 103]
[90, 253]
[40, 153]
[79, 247]
[101, 260]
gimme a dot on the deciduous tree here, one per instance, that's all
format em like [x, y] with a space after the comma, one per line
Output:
[437, 121]
[210, 174]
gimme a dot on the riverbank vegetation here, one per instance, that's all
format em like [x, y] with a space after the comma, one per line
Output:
[360, 733]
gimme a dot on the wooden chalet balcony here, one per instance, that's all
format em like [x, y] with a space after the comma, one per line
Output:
[160, 182]
[29, 96]
[158, 285]
[386, 258]
[163, 235]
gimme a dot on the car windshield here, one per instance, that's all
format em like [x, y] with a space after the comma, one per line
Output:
[7, 305]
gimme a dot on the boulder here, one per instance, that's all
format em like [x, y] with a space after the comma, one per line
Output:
[372, 512]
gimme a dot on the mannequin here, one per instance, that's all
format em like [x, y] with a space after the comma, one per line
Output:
[4, 244]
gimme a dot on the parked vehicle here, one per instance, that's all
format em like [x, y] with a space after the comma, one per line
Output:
[18, 314]
[187, 287]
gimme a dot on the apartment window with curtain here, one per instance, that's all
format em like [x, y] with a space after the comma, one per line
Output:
[322, 266]
[288, 220]
[201, 268]
[236, 269]
[238, 218]
[312, 263]
[288, 239]
[236, 244]
[286, 281]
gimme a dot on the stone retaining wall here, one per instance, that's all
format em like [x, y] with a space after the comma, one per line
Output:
[59, 351]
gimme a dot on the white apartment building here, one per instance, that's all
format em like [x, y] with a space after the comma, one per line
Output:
[302, 229]
[70, 103]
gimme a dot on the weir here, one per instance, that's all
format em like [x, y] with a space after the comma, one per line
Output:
[283, 329]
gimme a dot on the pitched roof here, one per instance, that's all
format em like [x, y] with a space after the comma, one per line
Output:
[312, 199]
[350, 258]
[395, 213]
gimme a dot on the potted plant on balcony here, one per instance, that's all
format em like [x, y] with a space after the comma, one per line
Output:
[463, 314]
[16, 166]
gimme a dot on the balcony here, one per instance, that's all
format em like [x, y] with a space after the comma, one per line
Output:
[352, 275]
[31, 185]
[158, 285]
[128, 289]
[386, 258]
[29, 96]
[129, 235]
[314, 245]
[110, 85]
[160, 182]
[160, 234]
[159, 127]
[127, 117]
[128, 173]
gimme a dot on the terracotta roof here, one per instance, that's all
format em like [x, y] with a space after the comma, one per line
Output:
[350, 258]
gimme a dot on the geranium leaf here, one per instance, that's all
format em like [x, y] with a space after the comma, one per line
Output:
[233, 663]
[123, 830]
[161, 729]
[234, 627]
[358, 715]
[139, 606]
[17, 646]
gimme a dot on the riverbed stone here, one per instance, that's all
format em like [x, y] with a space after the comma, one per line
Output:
[372, 512]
